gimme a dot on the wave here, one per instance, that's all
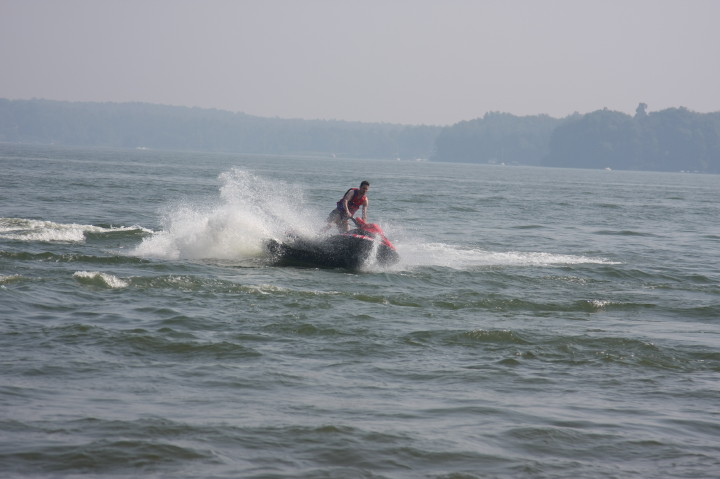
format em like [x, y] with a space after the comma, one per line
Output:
[569, 349]
[469, 300]
[69, 258]
[9, 279]
[96, 278]
[625, 233]
[101, 457]
[29, 230]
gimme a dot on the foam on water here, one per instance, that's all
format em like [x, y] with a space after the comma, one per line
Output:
[462, 258]
[20, 229]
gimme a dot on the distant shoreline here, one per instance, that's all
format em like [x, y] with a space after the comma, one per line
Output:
[674, 139]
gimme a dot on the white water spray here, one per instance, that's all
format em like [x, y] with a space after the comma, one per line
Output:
[248, 211]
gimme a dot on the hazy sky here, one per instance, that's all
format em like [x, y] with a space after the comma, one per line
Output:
[400, 61]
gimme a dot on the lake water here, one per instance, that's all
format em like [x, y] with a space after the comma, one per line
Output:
[541, 323]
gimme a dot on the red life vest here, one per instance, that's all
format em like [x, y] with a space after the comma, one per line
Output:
[354, 204]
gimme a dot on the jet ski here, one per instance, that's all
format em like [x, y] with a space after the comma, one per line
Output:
[363, 245]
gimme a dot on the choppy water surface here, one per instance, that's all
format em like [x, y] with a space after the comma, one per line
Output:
[541, 323]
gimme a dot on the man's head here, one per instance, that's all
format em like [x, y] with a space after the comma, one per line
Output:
[364, 186]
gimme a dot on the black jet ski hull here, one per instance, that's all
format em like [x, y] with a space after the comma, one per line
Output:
[340, 251]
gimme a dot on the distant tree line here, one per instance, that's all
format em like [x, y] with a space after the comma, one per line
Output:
[496, 138]
[133, 125]
[674, 139]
